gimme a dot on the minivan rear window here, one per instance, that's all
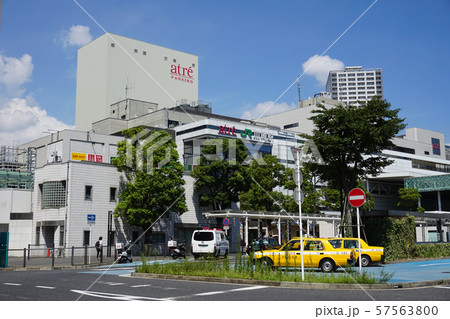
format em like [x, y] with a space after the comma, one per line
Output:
[204, 236]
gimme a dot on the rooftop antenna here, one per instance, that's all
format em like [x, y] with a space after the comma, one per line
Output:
[127, 88]
[298, 86]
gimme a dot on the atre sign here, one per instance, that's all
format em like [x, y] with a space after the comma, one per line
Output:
[182, 74]
[245, 133]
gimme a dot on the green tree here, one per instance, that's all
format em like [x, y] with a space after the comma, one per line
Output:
[220, 174]
[148, 191]
[409, 199]
[312, 195]
[267, 176]
[349, 139]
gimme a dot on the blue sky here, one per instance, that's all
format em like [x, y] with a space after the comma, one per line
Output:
[249, 53]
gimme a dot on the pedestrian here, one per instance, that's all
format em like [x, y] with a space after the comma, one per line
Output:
[99, 247]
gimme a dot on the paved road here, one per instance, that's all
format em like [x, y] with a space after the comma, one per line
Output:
[71, 285]
[414, 271]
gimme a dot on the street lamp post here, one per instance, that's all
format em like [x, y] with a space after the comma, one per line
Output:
[298, 192]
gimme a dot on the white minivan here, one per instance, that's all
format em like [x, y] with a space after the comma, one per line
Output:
[209, 242]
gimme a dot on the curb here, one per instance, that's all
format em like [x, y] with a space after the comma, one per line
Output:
[298, 285]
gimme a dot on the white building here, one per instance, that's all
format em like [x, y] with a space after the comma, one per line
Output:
[355, 84]
[73, 178]
[297, 120]
[112, 68]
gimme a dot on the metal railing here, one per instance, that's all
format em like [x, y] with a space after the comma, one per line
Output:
[42, 256]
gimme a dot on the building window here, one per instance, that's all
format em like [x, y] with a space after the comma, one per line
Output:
[112, 45]
[53, 194]
[157, 238]
[112, 194]
[144, 52]
[291, 125]
[174, 60]
[165, 58]
[88, 192]
[135, 50]
[193, 65]
[86, 237]
[427, 153]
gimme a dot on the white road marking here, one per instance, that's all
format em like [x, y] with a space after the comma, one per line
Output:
[106, 295]
[437, 264]
[11, 284]
[113, 283]
[448, 287]
[209, 293]
[45, 287]
[139, 286]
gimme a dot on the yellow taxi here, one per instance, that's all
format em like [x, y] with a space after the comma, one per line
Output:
[369, 253]
[317, 253]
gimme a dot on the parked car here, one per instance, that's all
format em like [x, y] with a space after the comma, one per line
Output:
[209, 242]
[262, 244]
[317, 253]
[369, 253]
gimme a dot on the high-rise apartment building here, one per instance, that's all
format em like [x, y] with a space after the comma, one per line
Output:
[113, 68]
[355, 84]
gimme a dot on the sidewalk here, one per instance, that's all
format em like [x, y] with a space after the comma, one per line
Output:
[45, 263]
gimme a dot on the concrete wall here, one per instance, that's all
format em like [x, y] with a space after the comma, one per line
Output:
[16, 216]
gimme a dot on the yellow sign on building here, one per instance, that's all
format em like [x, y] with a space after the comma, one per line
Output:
[78, 157]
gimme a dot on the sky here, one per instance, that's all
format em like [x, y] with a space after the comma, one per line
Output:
[250, 53]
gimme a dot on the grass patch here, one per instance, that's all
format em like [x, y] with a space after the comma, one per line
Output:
[246, 268]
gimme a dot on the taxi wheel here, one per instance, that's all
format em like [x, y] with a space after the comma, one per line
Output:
[365, 260]
[327, 265]
[267, 262]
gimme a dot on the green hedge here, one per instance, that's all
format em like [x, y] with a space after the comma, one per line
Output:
[397, 235]
[431, 250]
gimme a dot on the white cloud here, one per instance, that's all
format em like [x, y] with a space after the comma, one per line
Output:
[21, 119]
[78, 35]
[15, 72]
[20, 122]
[267, 108]
[320, 66]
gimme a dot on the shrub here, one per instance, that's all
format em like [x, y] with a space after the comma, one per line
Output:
[396, 235]
[431, 250]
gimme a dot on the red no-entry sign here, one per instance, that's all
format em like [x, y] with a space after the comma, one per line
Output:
[356, 197]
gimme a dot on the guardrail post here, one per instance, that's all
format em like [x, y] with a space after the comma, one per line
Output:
[85, 255]
[71, 257]
[24, 257]
[29, 251]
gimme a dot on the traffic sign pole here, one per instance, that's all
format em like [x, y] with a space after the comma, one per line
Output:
[359, 240]
[90, 236]
[357, 197]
